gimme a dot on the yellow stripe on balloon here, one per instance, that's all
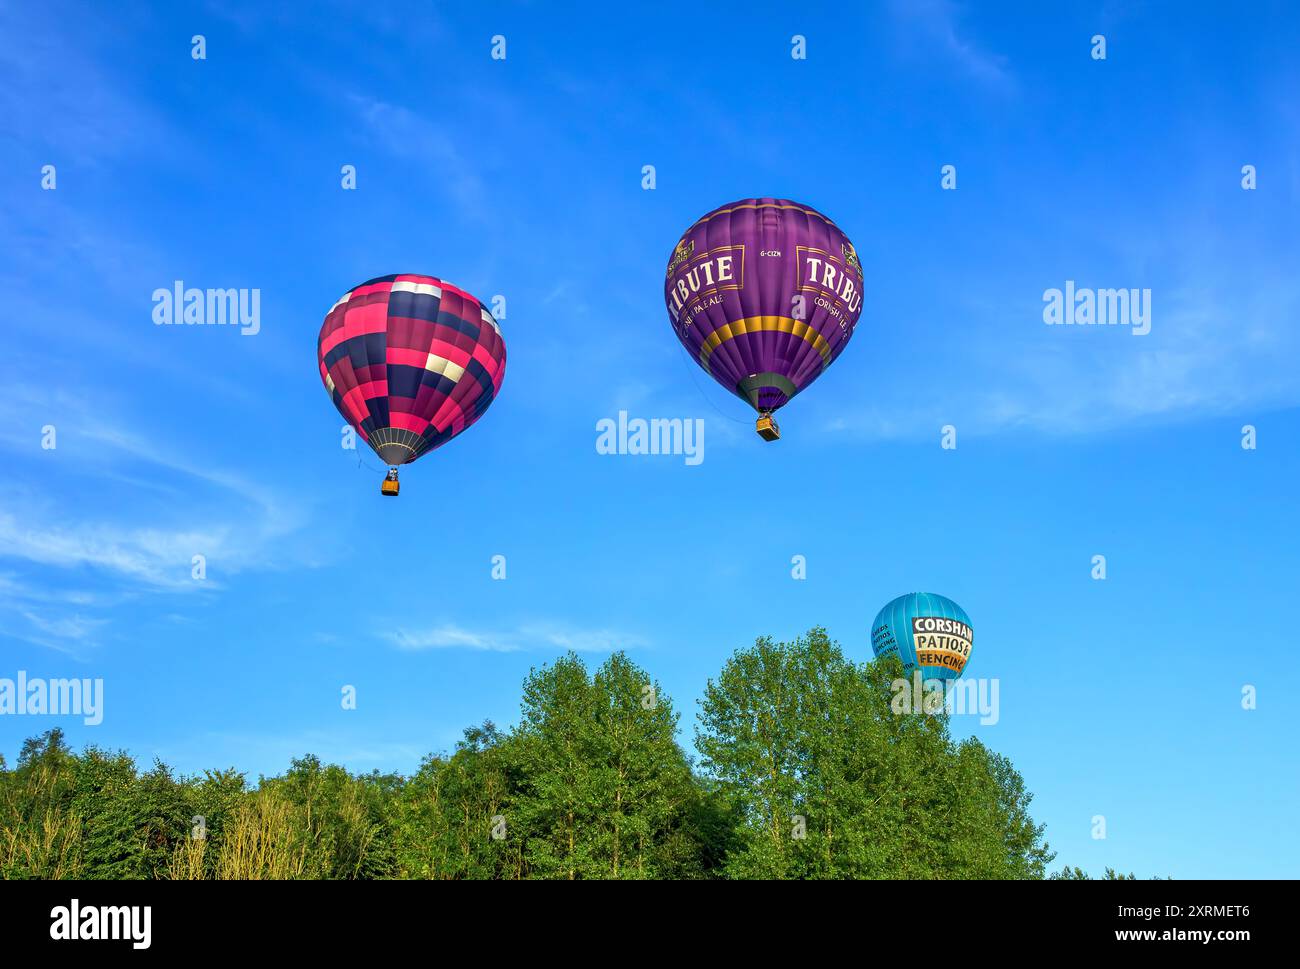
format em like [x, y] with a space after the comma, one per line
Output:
[764, 324]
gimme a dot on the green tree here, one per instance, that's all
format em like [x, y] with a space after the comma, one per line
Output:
[343, 819]
[40, 836]
[810, 769]
[830, 781]
[446, 815]
[604, 789]
[1076, 874]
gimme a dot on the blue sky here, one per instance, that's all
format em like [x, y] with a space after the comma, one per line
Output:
[522, 178]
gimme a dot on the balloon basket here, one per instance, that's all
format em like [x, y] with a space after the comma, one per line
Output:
[389, 486]
[767, 428]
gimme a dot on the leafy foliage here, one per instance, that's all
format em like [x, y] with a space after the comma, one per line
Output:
[807, 771]
[831, 783]
[1076, 874]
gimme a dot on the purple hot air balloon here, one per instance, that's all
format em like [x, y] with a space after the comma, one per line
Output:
[764, 294]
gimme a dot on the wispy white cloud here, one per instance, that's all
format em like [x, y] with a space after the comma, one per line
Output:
[560, 289]
[139, 547]
[529, 636]
[405, 134]
[580, 640]
[52, 619]
[74, 627]
[242, 529]
[156, 557]
[936, 23]
[1222, 343]
[80, 112]
[449, 637]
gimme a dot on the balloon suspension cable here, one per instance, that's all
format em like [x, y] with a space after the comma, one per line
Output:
[690, 368]
[361, 463]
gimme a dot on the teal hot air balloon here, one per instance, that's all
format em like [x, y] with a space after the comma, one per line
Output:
[928, 632]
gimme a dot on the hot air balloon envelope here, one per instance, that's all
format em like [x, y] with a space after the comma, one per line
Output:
[410, 361]
[928, 632]
[764, 294]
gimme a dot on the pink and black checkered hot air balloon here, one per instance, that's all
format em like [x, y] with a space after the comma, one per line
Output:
[764, 294]
[410, 362]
